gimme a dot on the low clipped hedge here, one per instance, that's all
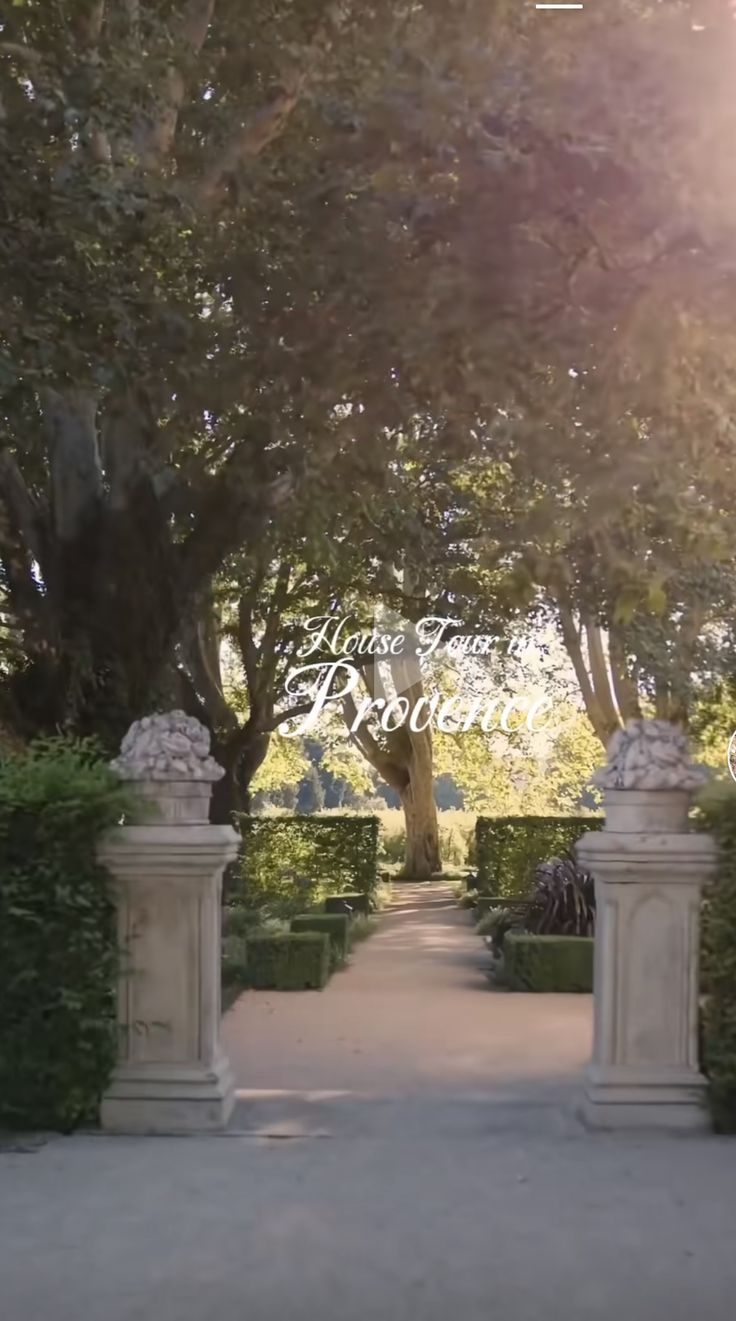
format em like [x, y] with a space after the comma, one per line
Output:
[289, 863]
[352, 905]
[58, 941]
[509, 848]
[548, 963]
[334, 925]
[288, 961]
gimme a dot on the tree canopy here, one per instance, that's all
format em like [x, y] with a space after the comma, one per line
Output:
[439, 282]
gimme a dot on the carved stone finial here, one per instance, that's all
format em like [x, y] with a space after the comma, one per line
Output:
[174, 746]
[650, 754]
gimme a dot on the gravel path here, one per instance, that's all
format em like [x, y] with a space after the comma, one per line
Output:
[433, 1168]
[413, 1016]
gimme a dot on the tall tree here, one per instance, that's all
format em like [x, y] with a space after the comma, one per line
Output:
[153, 403]
[187, 321]
[400, 749]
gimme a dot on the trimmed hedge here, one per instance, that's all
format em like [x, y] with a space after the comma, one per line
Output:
[548, 963]
[289, 863]
[233, 979]
[334, 925]
[233, 961]
[509, 848]
[718, 971]
[352, 905]
[58, 940]
[288, 961]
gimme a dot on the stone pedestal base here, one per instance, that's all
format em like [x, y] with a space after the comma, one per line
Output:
[644, 1072]
[627, 1098]
[172, 1075]
[185, 1100]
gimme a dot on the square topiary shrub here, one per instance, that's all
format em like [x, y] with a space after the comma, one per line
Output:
[308, 964]
[288, 961]
[265, 955]
[334, 925]
[353, 905]
[548, 963]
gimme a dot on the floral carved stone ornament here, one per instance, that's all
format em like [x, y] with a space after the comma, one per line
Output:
[169, 747]
[650, 754]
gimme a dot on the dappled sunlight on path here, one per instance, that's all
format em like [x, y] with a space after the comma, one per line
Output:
[412, 1017]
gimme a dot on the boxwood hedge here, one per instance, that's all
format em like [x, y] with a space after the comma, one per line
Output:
[354, 905]
[334, 925]
[548, 963]
[288, 961]
[718, 976]
[58, 945]
[508, 848]
[290, 863]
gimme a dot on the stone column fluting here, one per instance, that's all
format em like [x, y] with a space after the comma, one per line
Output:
[171, 1075]
[649, 871]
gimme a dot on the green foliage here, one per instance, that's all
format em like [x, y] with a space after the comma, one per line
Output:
[334, 925]
[542, 773]
[340, 756]
[455, 829]
[353, 905]
[392, 837]
[381, 896]
[285, 762]
[288, 961]
[548, 963]
[360, 928]
[719, 1013]
[58, 949]
[497, 922]
[234, 961]
[713, 721]
[489, 922]
[509, 848]
[453, 846]
[240, 921]
[289, 863]
[563, 899]
[177, 264]
[485, 902]
[179, 273]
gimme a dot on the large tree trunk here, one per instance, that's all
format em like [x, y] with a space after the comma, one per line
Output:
[101, 584]
[241, 755]
[405, 762]
[422, 855]
[110, 593]
[99, 602]
[598, 687]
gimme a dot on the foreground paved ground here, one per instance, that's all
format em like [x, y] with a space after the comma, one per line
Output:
[416, 1191]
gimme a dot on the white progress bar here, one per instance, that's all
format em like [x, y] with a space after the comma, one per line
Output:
[558, 6]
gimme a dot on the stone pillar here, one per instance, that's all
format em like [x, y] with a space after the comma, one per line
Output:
[172, 1075]
[649, 872]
